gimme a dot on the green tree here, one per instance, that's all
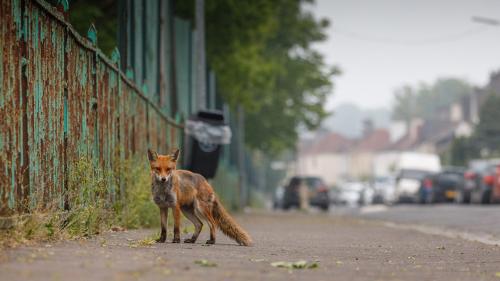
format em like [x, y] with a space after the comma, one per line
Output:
[261, 52]
[426, 101]
[101, 13]
[405, 105]
[487, 133]
[462, 150]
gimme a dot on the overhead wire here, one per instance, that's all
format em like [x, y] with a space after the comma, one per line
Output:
[448, 38]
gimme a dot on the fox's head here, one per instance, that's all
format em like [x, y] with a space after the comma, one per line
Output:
[162, 166]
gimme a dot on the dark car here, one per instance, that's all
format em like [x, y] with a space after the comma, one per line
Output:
[478, 182]
[464, 191]
[317, 193]
[442, 186]
[481, 192]
[495, 192]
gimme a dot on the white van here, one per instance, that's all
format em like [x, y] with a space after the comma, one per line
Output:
[411, 168]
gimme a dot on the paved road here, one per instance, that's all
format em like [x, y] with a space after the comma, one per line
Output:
[475, 219]
[346, 249]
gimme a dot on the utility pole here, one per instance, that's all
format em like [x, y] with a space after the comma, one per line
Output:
[201, 77]
[243, 190]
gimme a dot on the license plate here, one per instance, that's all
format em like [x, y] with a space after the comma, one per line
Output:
[450, 194]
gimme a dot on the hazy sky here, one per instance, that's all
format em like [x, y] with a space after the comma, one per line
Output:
[382, 44]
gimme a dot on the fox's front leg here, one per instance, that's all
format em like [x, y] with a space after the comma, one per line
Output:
[177, 222]
[163, 218]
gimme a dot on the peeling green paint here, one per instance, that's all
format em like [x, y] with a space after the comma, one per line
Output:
[64, 4]
[66, 127]
[115, 56]
[64, 78]
[12, 184]
[130, 73]
[16, 14]
[83, 79]
[92, 34]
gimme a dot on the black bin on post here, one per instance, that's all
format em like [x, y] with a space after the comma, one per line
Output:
[205, 132]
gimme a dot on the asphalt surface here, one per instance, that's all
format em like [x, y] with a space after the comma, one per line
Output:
[344, 247]
[474, 219]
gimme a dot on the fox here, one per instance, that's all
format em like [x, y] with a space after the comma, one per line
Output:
[189, 193]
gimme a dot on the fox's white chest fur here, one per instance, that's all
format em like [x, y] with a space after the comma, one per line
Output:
[163, 193]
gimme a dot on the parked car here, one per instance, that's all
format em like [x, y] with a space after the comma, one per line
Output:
[384, 190]
[464, 191]
[495, 192]
[367, 194]
[442, 186]
[478, 182]
[349, 193]
[411, 168]
[317, 192]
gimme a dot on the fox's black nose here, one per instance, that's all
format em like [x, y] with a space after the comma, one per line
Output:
[163, 179]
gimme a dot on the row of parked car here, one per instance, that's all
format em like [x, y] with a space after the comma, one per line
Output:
[478, 183]
[418, 178]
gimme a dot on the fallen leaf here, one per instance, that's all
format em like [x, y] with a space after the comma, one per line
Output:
[146, 242]
[205, 263]
[497, 274]
[281, 264]
[295, 265]
[313, 265]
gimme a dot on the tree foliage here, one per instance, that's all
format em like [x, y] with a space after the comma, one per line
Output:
[485, 141]
[425, 101]
[101, 13]
[261, 52]
[487, 132]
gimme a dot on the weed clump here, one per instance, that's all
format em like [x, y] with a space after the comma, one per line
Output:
[94, 201]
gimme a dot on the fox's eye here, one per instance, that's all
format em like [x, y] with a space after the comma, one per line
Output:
[157, 170]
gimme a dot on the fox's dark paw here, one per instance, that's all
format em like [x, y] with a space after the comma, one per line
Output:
[160, 240]
[176, 240]
[189, 240]
[210, 242]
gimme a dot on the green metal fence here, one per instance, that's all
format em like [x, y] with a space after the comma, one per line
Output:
[62, 99]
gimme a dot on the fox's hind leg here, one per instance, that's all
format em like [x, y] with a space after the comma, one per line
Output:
[198, 225]
[206, 211]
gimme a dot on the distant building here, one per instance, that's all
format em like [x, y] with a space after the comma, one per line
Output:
[456, 120]
[335, 157]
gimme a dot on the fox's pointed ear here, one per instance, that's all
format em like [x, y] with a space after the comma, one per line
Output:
[152, 155]
[175, 154]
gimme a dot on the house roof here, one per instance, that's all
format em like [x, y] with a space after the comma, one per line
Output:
[377, 140]
[336, 143]
[406, 142]
[330, 143]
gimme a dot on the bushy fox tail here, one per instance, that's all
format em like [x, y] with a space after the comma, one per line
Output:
[228, 226]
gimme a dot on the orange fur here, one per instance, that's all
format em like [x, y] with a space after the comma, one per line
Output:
[191, 194]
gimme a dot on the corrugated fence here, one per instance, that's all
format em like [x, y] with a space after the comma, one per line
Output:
[62, 99]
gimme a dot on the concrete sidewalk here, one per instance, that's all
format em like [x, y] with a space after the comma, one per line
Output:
[346, 249]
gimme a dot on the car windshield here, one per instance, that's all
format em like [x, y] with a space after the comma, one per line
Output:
[314, 183]
[413, 174]
[450, 176]
[351, 187]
